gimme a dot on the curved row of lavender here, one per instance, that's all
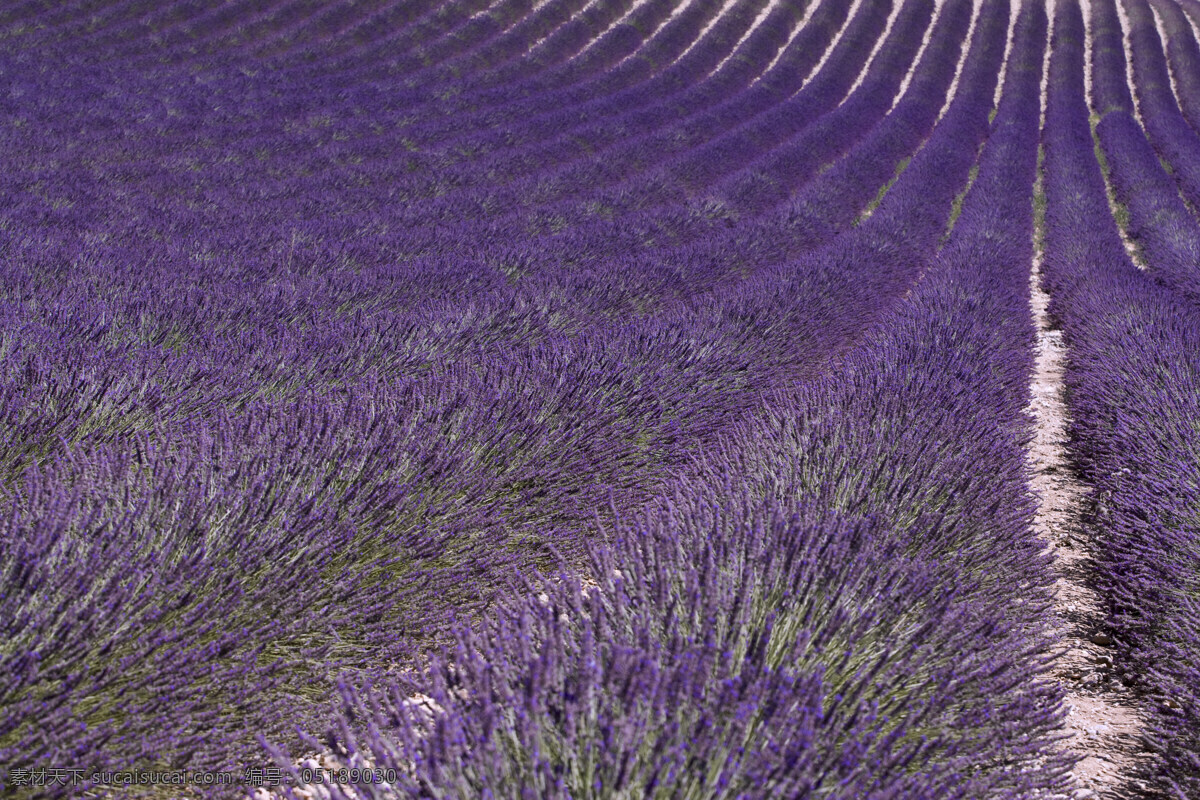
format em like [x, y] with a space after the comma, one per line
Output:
[544, 399]
[1133, 381]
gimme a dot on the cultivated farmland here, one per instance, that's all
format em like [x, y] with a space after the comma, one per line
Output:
[600, 399]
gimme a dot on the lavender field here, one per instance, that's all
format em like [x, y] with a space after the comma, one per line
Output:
[600, 399]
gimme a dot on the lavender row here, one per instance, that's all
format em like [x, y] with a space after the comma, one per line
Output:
[817, 97]
[937, 174]
[837, 196]
[564, 56]
[1110, 88]
[821, 96]
[719, 630]
[1174, 140]
[1184, 56]
[771, 241]
[381, 60]
[772, 107]
[1132, 390]
[670, 62]
[686, 113]
[871, 161]
[1159, 222]
[930, 101]
[587, 118]
[449, 27]
[797, 157]
[376, 44]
